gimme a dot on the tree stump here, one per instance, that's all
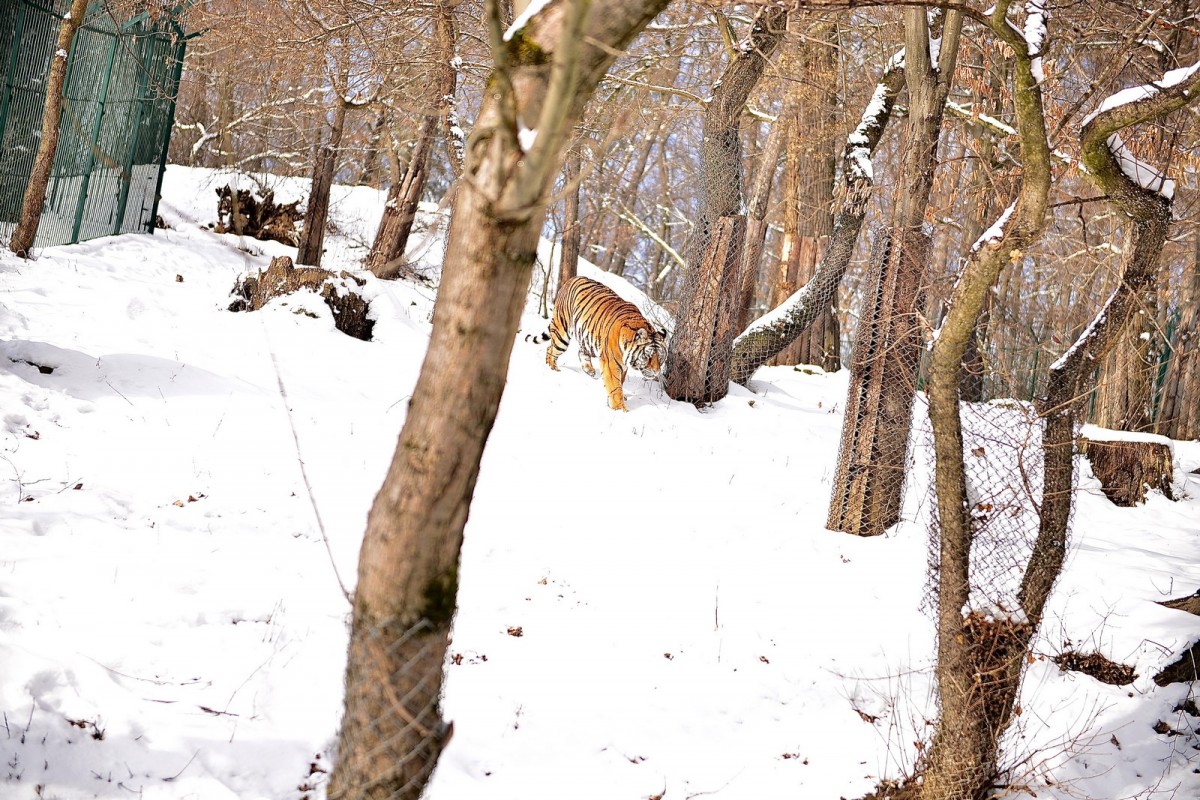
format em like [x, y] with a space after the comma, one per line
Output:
[264, 219]
[282, 278]
[1130, 465]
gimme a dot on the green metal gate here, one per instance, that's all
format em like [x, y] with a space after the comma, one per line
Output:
[118, 109]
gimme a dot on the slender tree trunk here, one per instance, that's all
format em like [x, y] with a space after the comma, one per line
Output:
[756, 221]
[386, 259]
[980, 657]
[392, 731]
[371, 172]
[622, 235]
[568, 266]
[34, 201]
[1125, 391]
[316, 215]
[983, 205]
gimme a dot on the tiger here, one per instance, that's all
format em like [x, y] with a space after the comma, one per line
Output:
[605, 325]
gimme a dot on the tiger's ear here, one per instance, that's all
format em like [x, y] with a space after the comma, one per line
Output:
[642, 336]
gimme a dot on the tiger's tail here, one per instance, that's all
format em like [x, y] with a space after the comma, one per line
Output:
[538, 338]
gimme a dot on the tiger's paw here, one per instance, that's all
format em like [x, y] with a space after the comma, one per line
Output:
[617, 402]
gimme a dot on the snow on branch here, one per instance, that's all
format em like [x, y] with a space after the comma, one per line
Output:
[1128, 107]
[520, 22]
[1138, 171]
[862, 140]
[1035, 35]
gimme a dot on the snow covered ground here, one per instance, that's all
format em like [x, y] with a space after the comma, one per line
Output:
[181, 489]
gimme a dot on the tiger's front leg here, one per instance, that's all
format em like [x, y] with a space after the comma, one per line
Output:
[614, 376]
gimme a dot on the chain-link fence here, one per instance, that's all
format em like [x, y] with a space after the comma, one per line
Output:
[118, 108]
[393, 732]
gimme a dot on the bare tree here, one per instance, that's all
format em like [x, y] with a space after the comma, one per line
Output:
[438, 89]
[962, 760]
[43, 161]
[408, 569]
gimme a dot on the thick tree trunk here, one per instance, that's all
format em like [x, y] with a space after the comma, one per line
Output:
[386, 259]
[392, 731]
[874, 449]
[408, 568]
[34, 201]
[1125, 391]
[701, 373]
[316, 214]
[1179, 413]
[713, 262]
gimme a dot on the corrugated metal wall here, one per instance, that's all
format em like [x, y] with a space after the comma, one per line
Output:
[119, 105]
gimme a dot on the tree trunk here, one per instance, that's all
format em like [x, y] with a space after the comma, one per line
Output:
[756, 220]
[812, 165]
[799, 258]
[316, 214]
[701, 373]
[868, 491]
[568, 265]
[34, 201]
[622, 236]
[371, 171]
[962, 760]
[872, 461]
[980, 657]
[983, 205]
[714, 263]
[1125, 391]
[1179, 414]
[386, 259]
[392, 731]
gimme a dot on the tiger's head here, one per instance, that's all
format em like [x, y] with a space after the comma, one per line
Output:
[647, 352]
